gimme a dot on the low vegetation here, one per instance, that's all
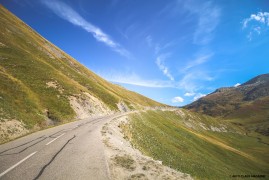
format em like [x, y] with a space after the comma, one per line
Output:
[196, 144]
[246, 105]
[125, 161]
[37, 79]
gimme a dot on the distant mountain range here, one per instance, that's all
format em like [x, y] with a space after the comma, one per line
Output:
[246, 104]
[41, 86]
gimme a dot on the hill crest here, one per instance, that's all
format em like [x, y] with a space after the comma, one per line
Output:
[246, 104]
[41, 86]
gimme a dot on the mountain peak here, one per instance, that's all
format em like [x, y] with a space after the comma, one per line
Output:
[263, 78]
[249, 101]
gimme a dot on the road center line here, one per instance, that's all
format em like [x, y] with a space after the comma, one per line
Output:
[12, 167]
[55, 139]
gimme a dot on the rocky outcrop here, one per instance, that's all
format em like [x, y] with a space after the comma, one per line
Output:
[86, 105]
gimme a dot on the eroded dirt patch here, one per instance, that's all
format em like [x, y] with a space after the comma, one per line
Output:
[11, 129]
[55, 85]
[2, 45]
[85, 105]
[125, 162]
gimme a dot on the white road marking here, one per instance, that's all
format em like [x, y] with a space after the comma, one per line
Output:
[55, 139]
[75, 127]
[12, 167]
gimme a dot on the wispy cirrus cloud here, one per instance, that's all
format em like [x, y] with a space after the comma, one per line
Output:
[160, 56]
[199, 60]
[160, 63]
[193, 75]
[149, 41]
[208, 16]
[157, 47]
[192, 81]
[67, 13]
[134, 79]
[256, 24]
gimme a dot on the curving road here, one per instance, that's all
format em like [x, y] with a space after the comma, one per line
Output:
[70, 151]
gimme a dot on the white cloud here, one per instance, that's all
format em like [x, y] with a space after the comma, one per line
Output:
[256, 24]
[160, 60]
[257, 29]
[177, 99]
[149, 40]
[237, 84]
[134, 79]
[189, 94]
[67, 13]
[198, 96]
[208, 19]
[160, 63]
[199, 60]
[192, 81]
[157, 48]
[261, 17]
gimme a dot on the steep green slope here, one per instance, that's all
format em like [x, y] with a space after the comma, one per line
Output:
[39, 82]
[198, 144]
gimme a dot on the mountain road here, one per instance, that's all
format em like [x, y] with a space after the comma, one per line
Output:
[69, 151]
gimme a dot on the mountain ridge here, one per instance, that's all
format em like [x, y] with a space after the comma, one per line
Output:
[246, 104]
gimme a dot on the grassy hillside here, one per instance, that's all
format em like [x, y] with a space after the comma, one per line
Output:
[37, 79]
[254, 116]
[197, 144]
[246, 105]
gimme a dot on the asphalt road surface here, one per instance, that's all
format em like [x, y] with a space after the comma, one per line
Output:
[70, 151]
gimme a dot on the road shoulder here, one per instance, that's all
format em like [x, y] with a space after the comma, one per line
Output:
[125, 162]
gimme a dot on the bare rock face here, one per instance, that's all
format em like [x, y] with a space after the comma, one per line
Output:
[10, 129]
[123, 107]
[86, 105]
[2, 45]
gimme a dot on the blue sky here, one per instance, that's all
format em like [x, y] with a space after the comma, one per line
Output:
[171, 51]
